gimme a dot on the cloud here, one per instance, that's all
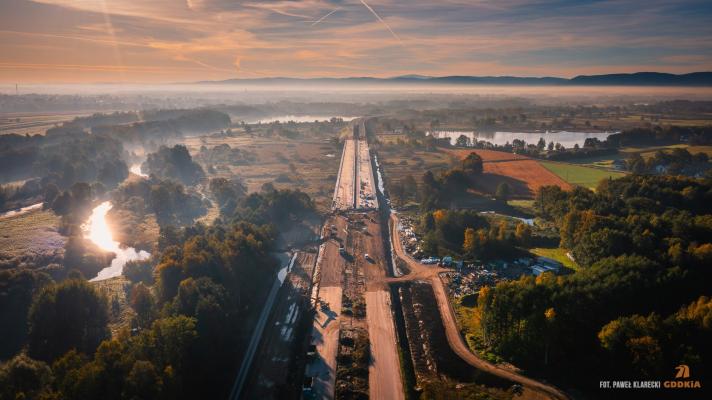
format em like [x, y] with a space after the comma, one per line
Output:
[290, 38]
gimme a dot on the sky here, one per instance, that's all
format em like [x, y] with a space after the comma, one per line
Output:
[157, 41]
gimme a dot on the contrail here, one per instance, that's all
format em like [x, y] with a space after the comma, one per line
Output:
[326, 16]
[382, 21]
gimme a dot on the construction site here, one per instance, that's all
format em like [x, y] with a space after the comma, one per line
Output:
[380, 323]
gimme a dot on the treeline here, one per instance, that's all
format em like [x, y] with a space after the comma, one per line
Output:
[654, 216]
[468, 234]
[644, 246]
[270, 206]
[439, 191]
[673, 162]
[225, 155]
[170, 201]
[63, 156]
[660, 135]
[165, 125]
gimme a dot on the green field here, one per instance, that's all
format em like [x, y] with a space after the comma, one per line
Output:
[557, 254]
[580, 175]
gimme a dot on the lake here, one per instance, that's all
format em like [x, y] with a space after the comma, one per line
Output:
[567, 139]
[296, 118]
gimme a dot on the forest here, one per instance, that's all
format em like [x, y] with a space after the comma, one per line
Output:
[637, 306]
[187, 333]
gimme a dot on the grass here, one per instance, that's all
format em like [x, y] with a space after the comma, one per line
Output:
[31, 235]
[120, 313]
[524, 205]
[310, 164]
[606, 161]
[580, 175]
[468, 318]
[557, 254]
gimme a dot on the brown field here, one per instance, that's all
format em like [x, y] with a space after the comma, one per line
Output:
[32, 124]
[524, 175]
[309, 164]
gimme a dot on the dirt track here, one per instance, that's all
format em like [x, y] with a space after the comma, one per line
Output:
[384, 378]
[457, 343]
[344, 190]
[326, 337]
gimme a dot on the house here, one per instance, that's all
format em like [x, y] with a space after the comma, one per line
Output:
[549, 263]
[538, 270]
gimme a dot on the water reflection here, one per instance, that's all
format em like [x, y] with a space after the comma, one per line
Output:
[97, 230]
[296, 118]
[567, 139]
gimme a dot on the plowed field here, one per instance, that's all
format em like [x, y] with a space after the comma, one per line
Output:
[523, 175]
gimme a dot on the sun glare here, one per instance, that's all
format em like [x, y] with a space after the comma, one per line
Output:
[97, 229]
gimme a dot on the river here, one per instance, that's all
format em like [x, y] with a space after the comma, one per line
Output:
[23, 210]
[97, 230]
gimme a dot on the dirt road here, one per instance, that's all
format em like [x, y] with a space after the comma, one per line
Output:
[447, 314]
[355, 184]
[344, 190]
[366, 196]
[325, 336]
[384, 378]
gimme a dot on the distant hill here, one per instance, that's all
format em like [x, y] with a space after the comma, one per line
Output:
[634, 79]
[646, 79]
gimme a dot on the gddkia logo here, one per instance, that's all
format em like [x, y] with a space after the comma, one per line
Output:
[683, 371]
[683, 380]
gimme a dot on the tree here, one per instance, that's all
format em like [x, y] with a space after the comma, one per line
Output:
[523, 234]
[463, 141]
[471, 244]
[17, 288]
[472, 165]
[23, 378]
[541, 144]
[139, 271]
[550, 318]
[175, 163]
[169, 274]
[503, 191]
[65, 316]
[143, 382]
[143, 303]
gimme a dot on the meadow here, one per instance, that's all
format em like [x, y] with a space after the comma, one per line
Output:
[580, 175]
